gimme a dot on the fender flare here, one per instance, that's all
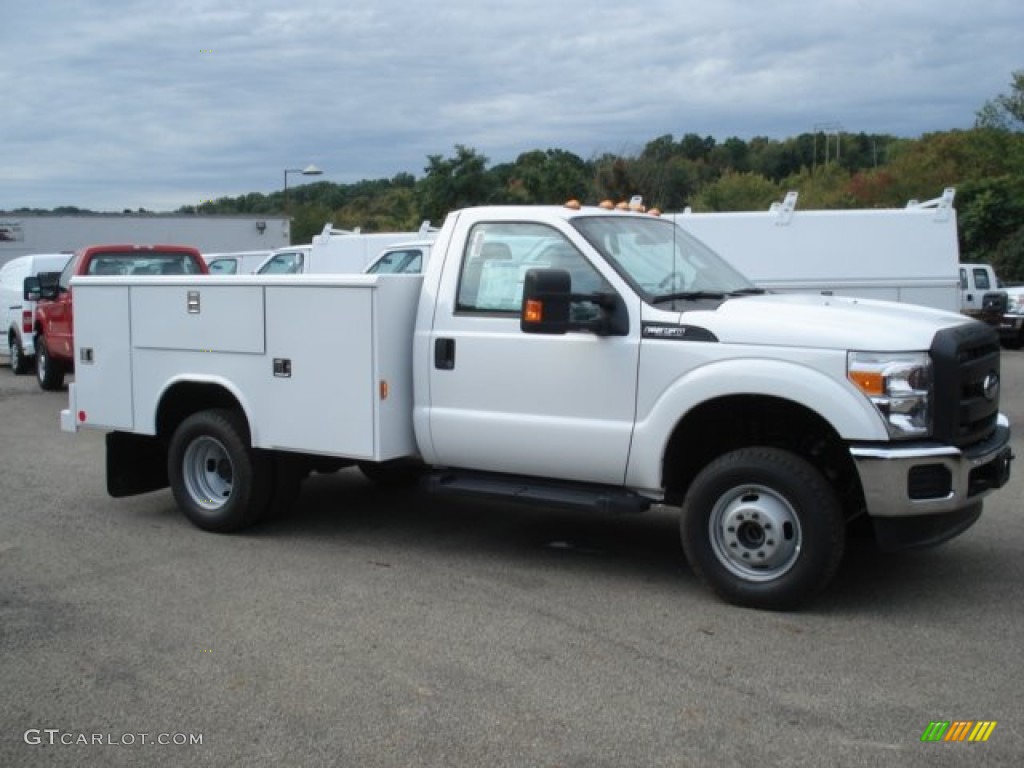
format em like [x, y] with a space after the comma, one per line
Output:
[838, 403]
[150, 425]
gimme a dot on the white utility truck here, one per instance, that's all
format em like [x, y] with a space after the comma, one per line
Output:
[563, 356]
[896, 254]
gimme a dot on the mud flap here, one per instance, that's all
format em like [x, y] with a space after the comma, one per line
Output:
[135, 464]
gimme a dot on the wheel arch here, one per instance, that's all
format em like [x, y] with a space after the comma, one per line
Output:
[184, 397]
[727, 423]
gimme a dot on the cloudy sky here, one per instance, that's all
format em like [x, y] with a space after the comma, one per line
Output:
[112, 104]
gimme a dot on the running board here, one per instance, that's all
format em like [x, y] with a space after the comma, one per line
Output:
[599, 498]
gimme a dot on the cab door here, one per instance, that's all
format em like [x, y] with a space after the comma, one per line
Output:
[505, 401]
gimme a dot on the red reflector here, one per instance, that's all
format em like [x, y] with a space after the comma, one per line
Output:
[26, 321]
[81, 415]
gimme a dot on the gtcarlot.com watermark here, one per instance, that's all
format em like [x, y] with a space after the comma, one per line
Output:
[57, 737]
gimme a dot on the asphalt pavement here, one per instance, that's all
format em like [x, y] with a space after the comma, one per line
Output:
[372, 628]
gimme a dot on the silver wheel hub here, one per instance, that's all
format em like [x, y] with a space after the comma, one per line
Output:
[208, 473]
[755, 533]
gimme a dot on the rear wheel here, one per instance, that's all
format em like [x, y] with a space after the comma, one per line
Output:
[19, 363]
[218, 480]
[49, 372]
[763, 528]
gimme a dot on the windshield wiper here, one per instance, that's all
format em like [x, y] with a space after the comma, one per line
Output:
[747, 292]
[688, 296]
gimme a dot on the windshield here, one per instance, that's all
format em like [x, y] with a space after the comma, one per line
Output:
[662, 262]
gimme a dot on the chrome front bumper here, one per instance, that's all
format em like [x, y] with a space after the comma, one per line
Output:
[917, 480]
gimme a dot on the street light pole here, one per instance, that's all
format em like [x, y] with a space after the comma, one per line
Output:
[309, 170]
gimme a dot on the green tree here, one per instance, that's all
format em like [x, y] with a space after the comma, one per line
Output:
[1005, 111]
[825, 187]
[737, 192]
[615, 178]
[454, 182]
[990, 212]
[551, 176]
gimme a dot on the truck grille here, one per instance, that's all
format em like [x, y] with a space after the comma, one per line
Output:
[966, 367]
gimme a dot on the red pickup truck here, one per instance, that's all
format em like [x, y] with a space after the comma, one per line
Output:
[54, 322]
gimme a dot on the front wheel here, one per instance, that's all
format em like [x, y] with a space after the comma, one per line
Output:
[763, 528]
[49, 372]
[218, 480]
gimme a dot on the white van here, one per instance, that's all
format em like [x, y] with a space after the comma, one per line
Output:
[18, 314]
[337, 251]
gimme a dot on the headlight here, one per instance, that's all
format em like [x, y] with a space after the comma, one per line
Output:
[1015, 303]
[899, 385]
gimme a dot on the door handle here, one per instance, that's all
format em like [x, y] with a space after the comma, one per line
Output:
[444, 354]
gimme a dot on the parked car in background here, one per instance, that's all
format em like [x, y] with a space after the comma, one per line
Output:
[17, 313]
[237, 263]
[53, 319]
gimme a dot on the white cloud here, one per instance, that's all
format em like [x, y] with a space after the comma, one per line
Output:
[130, 103]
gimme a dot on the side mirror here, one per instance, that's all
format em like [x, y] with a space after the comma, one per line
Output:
[547, 294]
[32, 290]
[41, 286]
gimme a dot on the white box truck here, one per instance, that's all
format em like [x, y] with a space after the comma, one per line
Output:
[906, 254]
[564, 356]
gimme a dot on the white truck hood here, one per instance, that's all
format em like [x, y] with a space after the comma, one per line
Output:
[824, 322]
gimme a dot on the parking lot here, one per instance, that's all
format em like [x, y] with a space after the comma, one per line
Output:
[374, 628]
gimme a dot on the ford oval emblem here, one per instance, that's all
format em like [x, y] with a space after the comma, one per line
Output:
[990, 387]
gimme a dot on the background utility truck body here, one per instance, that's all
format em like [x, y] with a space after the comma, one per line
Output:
[563, 356]
[909, 254]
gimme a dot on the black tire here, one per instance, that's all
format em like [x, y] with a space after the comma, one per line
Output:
[399, 473]
[49, 372]
[20, 365]
[763, 528]
[218, 480]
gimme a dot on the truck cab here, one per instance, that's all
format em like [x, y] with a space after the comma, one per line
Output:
[981, 294]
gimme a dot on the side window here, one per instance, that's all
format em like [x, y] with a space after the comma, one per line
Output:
[963, 279]
[223, 267]
[981, 280]
[498, 256]
[283, 264]
[399, 262]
